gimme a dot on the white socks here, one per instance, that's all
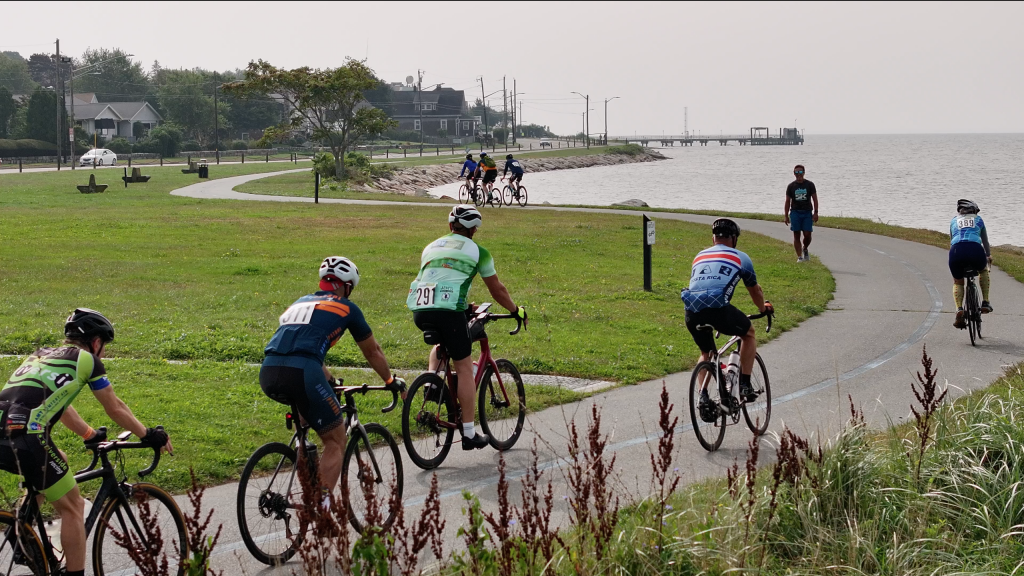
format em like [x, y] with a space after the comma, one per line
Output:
[467, 430]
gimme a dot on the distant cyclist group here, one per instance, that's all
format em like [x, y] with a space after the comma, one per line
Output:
[486, 169]
[294, 372]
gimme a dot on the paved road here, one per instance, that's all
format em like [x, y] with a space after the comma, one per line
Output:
[892, 297]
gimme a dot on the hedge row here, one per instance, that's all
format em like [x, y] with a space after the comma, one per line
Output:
[16, 148]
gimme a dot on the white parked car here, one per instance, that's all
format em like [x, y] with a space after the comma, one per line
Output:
[545, 143]
[98, 157]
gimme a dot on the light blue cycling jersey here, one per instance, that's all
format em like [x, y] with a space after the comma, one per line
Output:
[968, 228]
[714, 276]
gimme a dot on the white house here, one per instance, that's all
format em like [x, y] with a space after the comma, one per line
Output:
[114, 119]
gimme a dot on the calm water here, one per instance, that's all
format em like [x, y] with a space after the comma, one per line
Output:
[910, 180]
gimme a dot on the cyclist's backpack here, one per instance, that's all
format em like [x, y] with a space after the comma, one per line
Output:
[487, 161]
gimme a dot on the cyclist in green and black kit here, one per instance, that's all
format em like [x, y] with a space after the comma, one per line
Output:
[438, 300]
[37, 396]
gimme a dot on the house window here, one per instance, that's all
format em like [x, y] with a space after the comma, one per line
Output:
[415, 124]
[465, 126]
[429, 106]
[444, 124]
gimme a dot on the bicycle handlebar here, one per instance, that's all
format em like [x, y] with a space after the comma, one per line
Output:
[519, 321]
[769, 313]
[121, 444]
[394, 388]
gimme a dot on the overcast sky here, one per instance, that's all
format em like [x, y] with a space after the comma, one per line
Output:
[918, 67]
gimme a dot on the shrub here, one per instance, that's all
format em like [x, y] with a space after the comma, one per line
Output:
[239, 145]
[164, 140]
[403, 135]
[191, 146]
[627, 149]
[120, 146]
[323, 162]
[26, 147]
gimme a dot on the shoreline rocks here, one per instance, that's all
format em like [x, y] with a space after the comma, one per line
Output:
[412, 181]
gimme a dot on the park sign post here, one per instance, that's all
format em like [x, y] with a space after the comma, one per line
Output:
[648, 231]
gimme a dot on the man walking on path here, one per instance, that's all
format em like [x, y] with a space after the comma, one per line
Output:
[801, 211]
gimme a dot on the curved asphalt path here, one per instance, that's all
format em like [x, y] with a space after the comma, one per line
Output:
[892, 297]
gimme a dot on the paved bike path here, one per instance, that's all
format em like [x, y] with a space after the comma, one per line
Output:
[892, 297]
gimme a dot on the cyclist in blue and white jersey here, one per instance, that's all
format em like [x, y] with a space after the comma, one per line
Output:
[516, 168]
[968, 250]
[469, 168]
[294, 372]
[715, 274]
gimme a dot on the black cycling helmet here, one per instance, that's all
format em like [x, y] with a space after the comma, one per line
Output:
[509, 157]
[725, 227]
[967, 207]
[469, 156]
[86, 324]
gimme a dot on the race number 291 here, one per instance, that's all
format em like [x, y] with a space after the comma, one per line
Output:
[425, 294]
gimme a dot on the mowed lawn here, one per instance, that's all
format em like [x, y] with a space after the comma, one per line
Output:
[204, 282]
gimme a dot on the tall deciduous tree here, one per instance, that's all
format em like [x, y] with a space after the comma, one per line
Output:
[43, 70]
[329, 102]
[7, 110]
[117, 79]
[41, 120]
[14, 75]
[186, 98]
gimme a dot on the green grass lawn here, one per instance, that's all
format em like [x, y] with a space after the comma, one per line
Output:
[301, 184]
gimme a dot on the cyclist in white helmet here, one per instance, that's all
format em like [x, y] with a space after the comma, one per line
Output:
[438, 300]
[294, 372]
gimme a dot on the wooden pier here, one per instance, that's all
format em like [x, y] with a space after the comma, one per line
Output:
[758, 136]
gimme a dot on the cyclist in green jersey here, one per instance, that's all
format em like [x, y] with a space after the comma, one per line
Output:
[37, 396]
[438, 300]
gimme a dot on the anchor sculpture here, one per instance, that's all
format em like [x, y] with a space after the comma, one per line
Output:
[136, 177]
[92, 187]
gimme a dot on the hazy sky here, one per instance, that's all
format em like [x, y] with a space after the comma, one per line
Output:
[846, 68]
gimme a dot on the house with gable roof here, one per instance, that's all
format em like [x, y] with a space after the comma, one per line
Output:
[437, 109]
[114, 119]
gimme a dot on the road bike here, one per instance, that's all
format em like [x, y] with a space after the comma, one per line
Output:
[722, 385]
[26, 549]
[972, 305]
[270, 495]
[514, 191]
[472, 195]
[431, 413]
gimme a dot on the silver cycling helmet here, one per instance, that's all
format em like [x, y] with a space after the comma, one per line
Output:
[967, 207]
[466, 215]
[338, 270]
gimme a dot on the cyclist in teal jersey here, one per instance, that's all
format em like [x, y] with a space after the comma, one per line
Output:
[968, 250]
[438, 298]
[37, 396]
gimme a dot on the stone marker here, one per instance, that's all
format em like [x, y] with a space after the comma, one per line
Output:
[92, 187]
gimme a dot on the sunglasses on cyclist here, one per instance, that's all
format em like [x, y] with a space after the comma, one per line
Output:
[798, 172]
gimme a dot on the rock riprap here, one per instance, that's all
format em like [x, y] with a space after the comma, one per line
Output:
[409, 181]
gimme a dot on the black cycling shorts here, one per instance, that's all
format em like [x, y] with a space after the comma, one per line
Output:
[964, 256]
[451, 325]
[728, 320]
[300, 382]
[36, 458]
[490, 176]
[516, 178]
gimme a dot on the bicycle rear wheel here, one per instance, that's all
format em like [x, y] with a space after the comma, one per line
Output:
[464, 194]
[494, 198]
[478, 197]
[269, 494]
[759, 412]
[709, 434]
[378, 503]
[522, 196]
[972, 312]
[21, 551]
[426, 406]
[502, 413]
[109, 557]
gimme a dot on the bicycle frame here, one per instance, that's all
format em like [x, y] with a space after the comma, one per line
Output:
[444, 366]
[716, 356]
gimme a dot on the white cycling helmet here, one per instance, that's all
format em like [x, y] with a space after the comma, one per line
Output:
[338, 270]
[466, 215]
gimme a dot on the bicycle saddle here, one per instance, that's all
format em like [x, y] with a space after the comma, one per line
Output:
[970, 273]
[431, 336]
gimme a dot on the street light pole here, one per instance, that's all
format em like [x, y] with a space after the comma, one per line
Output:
[606, 101]
[56, 87]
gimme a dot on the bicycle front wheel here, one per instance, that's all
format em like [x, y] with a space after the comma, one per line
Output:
[506, 195]
[522, 196]
[428, 406]
[21, 551]
[709, 434]
[759, 412]
[464, 194]
[372, 478]
[502, 404]
[269, 494]
[132, 522]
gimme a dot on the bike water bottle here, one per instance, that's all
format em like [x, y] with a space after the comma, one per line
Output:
[475, 367]
[733, 375]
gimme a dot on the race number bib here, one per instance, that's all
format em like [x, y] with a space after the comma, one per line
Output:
[298, 313]
[425, 294]
[965, 221]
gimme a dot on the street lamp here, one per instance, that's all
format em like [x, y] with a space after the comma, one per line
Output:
[606, 101]
[586, 118]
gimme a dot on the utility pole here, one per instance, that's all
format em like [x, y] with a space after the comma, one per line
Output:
[606, 101]
[514, 118]
[586, 134]
[504, 108]
[71, 128]
[216, 125]
[419, 92]
[58, 93]
[483, 102]
[686, 121]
